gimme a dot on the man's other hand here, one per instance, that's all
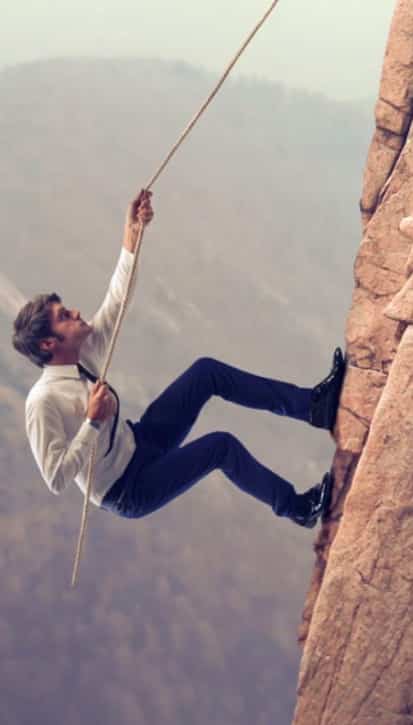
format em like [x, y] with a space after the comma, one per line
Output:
[140, 209]
[139, 213]
[102, 403]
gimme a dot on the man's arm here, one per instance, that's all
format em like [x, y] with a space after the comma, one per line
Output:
[58, 461]
[95, 346]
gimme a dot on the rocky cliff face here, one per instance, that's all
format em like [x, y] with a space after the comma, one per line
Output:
[357, 626]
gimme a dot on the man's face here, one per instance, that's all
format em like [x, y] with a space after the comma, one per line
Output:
[69, 325]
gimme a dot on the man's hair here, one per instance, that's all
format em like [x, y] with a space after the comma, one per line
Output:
[32, 325]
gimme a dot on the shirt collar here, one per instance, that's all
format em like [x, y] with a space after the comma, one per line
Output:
[54, 372]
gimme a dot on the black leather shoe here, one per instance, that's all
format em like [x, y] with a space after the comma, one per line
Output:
[325, 396]
[313, 503]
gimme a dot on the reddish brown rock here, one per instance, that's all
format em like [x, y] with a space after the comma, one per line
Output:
[358, 403]
[357, 626]
[401, 306]
[393, 109]
[357, 665]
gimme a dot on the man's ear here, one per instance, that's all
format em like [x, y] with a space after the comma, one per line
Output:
[48, 344]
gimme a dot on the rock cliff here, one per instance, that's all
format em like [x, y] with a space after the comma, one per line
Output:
[357, 624]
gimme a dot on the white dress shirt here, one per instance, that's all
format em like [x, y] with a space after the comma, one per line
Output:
[56, 406]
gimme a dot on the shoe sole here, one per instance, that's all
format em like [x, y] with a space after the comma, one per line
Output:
[337, 372]
[326, 494]
[340, 377]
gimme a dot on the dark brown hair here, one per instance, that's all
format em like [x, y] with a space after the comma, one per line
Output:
[32, 325]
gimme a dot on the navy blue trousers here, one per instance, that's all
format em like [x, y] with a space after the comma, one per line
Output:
[161, 469]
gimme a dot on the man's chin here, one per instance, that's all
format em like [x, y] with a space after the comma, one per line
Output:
[86, 330]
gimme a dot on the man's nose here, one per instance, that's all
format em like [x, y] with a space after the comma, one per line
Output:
[76, 314]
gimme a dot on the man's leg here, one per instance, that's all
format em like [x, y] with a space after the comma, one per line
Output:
[156, 483]
[170, 475]
[169, 418]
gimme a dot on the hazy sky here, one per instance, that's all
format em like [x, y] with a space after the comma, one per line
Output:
[328, 45]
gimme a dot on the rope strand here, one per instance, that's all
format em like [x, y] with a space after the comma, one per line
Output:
[125, 300]
[103, 374]
[211, 96]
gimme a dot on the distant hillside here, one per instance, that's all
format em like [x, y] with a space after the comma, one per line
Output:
[249, 260]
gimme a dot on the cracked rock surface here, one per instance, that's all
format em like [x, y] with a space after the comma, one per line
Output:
[357, 627]
[393, 109]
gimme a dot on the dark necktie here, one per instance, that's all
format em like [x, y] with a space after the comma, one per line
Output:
[93, 379]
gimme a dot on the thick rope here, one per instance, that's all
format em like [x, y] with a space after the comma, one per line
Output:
[132, 273]
[212, 95]
[103, 374]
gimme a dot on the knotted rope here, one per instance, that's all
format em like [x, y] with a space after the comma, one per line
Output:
[132, 273]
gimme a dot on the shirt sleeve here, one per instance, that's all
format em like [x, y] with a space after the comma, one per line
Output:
[103, 323]
[58, 461]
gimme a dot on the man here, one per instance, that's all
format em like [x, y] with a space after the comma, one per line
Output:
[141, 466]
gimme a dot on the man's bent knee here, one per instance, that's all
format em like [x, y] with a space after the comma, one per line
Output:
[224, 439]
[204, 362]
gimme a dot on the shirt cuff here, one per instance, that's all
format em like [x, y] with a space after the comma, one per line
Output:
[87, 433]
[126, 254]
